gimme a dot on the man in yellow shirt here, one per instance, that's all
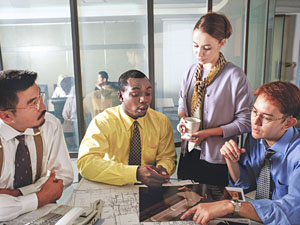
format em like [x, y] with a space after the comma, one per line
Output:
[106, 149]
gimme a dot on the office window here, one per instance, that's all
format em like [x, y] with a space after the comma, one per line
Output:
[113, 38]
[36, 35]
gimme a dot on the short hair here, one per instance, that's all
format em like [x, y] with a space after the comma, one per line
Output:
[66, 84]
[104, 75]
[11, 82]
[216, 25]
[129, 74]
[283, 94]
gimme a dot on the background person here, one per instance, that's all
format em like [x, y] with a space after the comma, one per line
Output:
[24, 185]
[273, 118]
[105, 151]
[104, 96]
[217, 92]
[58, 91]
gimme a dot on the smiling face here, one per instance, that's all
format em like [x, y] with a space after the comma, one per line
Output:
[206, 48]
[136, 97]
[267, 121]
[27, 115]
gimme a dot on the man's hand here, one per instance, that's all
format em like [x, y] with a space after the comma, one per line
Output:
[15, 193]
[152, 176]
[231, 151]
[205, 212]
[51, 190]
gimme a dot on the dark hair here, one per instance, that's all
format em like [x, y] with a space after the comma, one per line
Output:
[103, 75]
[216, 25]
[66, 84]
[129, 74]
[11, 82]
[283, 94]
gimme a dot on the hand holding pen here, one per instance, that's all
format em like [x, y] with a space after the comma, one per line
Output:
[152, 176]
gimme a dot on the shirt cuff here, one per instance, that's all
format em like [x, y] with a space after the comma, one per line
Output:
[29, 202]
[26, 190]
[130, 174]
[264, 210]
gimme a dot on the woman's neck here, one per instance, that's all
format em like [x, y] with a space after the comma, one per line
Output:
[209, 66]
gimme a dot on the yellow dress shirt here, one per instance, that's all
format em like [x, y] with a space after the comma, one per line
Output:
[104, 150]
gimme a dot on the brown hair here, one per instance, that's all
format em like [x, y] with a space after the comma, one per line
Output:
[216, 25]
[284, 94]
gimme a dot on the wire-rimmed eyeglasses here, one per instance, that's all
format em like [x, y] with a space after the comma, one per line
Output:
[265, 119]
[36, 104]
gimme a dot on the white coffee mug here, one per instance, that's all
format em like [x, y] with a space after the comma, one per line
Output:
[192, 124]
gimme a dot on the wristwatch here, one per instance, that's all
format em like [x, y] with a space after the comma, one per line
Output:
[237, 205]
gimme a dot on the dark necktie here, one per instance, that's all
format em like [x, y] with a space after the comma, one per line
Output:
[263, 190]
[23, 171]
[135, 146]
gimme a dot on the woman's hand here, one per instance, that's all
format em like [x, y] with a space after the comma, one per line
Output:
[231, 151]
[196, 137]
[182, 127]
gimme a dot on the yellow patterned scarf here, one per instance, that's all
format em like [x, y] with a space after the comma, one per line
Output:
[200, 86]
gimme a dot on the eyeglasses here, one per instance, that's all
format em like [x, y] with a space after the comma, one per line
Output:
[36, 104]
[265, 119]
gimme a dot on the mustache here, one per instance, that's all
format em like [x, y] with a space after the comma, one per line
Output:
[42, 113]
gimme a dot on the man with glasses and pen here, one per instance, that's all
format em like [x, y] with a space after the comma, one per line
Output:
[269, 161]
[34, 161]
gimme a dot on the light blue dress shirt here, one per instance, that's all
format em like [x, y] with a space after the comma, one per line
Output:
[284, 208]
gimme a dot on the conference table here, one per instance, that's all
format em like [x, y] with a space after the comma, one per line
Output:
[121, 203]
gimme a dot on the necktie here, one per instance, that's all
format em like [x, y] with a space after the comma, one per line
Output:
[135, 146]
[263, 189]
[23, 171]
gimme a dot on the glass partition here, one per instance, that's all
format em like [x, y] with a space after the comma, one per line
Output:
[173, 26]
[36, 35]
[256, 42]
[113, 38]
[235, 11]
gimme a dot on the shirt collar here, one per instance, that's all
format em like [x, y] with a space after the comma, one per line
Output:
[282, 144]
[10, 133]
[128, 121]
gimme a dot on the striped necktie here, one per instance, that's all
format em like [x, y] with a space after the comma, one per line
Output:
[263, 190]
[23, 170]
[135, 146]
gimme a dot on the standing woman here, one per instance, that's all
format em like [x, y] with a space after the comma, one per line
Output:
[219, 93]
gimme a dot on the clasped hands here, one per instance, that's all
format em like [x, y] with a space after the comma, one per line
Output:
[153, 176]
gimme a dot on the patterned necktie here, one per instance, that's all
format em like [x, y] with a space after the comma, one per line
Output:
[23, 171]
[263, 190]
[135, 146]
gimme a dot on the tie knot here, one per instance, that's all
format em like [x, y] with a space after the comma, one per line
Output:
[269, 154]
[135, 123]
[21, 138]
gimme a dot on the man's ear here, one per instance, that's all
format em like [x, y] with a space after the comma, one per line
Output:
[120, 95]
[6, 116]
[289, 122]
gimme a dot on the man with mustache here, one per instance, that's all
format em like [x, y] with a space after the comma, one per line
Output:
[273, 141]
[34, 161]
[105, 154]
